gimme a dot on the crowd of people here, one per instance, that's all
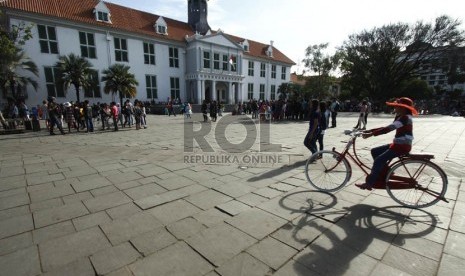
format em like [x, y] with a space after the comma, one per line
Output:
[78, 116]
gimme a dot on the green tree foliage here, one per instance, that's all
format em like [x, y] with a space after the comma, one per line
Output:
[378, 62]
[415, 89]
[76, 71]
[118, 79]
[14, 81]
[13, 61]
[321, 65]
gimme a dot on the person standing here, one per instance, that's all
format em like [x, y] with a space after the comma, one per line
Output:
[137, 113]
[322, 123]
[213, 111]
[54, 113]
[368, 110]
[69, 116]
[143, 118]
[204, 111]
[362, 116]
[313, 129]
[334, 108]
[88, 116]
[114, 115]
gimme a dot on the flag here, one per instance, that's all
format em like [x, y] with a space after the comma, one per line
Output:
[231, 61]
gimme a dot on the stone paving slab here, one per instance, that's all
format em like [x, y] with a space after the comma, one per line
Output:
[15, 264]
[124, 229]
[177, 259]
[54, 215]
[113, 258]
[220, 243]
[77, 205]
[64, 250]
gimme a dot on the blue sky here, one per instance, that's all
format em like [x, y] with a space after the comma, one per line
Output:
[294, 25]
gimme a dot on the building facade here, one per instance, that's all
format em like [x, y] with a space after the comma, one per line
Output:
[170, 59]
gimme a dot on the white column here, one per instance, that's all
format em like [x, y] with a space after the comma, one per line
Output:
[213, 92]
[240, 92]
[203, 90]
[230, 93]
[199, 92]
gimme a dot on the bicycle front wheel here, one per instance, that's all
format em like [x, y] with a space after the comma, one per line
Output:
[327, 171]
[416, 183]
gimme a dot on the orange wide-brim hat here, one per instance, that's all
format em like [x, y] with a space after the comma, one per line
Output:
[405, 103]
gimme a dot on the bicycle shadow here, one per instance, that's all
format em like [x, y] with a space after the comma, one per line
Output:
[357, 237]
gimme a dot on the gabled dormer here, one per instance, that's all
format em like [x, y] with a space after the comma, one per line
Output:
[245, 45]
[102, 12]
[160, 26]
[269, 51]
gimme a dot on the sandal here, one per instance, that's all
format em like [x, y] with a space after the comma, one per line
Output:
[364, 186]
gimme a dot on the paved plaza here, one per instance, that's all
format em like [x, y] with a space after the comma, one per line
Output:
[127, 203]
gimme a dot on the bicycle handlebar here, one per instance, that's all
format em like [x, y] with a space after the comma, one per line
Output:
[354, 133]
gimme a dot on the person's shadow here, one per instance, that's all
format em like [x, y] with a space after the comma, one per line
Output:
[278, 171]
[359, 229]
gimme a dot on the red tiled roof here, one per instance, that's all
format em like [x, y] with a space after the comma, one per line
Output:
[125, 19]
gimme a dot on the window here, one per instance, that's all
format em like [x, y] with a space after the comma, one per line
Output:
[432, 77]
[251, 68]
[283, 73]
[102, 16]
[206, 60]
[273, 92]
[94, 90]
[161, 29]
[216, 61]
[151, 86]
[262, 70]
[262, 92]
[87, 42]
[175, 92]
[225, 63]
[250, 91]
[246, 48]
[47, 39]
[174, 57]
[432, 82]
[273, 71]
[149, 53]
[52, 75]
[121, 49]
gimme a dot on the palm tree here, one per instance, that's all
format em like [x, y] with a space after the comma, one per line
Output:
[9, 76]
[118, 79]
[76, 71]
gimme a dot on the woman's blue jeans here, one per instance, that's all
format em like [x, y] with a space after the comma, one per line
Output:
[381, 156]
[310, 141]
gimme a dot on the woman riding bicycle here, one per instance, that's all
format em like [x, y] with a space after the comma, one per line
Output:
[402, 144]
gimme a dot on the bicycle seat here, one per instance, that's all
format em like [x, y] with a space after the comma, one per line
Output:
[420, 156]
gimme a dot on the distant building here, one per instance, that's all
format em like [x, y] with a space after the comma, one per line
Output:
[170, 59]
[436, 76]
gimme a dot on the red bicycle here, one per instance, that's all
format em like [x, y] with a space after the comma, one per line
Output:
[411, 180]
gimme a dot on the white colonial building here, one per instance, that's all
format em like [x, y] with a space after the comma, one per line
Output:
[170, 59]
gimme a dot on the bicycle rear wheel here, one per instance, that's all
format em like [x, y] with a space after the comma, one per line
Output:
[327, 171]
[416, 183]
